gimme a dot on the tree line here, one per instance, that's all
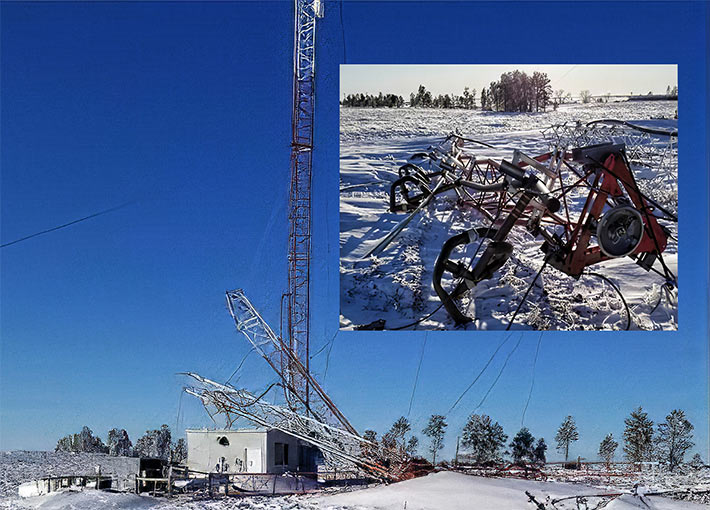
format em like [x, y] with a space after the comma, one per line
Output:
[378, 101]
[155, 443]
[484, 442]
[423, 98]
[516, 91]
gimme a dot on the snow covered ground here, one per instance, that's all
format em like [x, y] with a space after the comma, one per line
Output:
[395, 285]
[438, 491]
[456, 491]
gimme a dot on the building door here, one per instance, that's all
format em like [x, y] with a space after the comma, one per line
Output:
[253, 460]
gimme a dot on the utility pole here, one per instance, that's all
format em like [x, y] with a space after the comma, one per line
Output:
[456, 458]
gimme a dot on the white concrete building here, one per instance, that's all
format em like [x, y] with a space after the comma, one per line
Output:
[249, 451]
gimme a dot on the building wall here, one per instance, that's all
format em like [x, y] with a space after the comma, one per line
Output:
[206, 454]
[246, 451]
[276, 436]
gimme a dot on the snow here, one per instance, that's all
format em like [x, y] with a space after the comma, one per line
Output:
[456, 491]
[395, 285]
[17, 467]
[437, 491]
[87, 500]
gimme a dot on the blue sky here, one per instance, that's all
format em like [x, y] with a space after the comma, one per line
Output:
[184, 109]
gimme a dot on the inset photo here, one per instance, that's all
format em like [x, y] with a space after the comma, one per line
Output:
[494, 197]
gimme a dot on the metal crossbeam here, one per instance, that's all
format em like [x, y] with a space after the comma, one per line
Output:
[279, 355]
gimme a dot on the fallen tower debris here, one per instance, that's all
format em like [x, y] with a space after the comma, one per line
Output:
[617, 218]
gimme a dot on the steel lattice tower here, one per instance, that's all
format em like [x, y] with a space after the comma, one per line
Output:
[299, 239]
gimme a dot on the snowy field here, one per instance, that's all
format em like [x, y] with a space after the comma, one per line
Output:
[438, 491]
[395, 285]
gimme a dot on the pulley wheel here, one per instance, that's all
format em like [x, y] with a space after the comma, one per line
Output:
[620, 231]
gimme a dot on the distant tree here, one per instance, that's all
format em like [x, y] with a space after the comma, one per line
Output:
[400, 427]
[435, 430]
[427, 100]
[674, 90]
[522, 446]
[484, 99]
[66, 444]
[395, 439]
[119, 445]
[668, 90]
[379, 101]
[607, 448]
[179, 452]
[420, 97]
[155, 444]
[638, 436]
[518, 92]
[468, 99]
[484, 438]
[559, 95]
[84, 441]
[539, 456]
[90, 443]
[370, 435]
[412, 445]
[541, 90]
[585, 96]
[566, 434]
[674, 438]
[696, 462]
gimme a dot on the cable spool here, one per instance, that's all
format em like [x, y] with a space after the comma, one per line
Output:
[620, 231]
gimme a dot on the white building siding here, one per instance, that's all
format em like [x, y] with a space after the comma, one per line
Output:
[227, 451]
[248, 451]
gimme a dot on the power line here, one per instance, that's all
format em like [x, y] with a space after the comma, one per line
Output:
[105, 211]
[342, 31]
[532, 381]
[480, 373]
[499, 373]
[240, 365]
[327, 358]
[565, 75]
[416, 378]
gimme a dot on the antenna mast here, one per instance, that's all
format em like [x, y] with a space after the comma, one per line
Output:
[299, 237]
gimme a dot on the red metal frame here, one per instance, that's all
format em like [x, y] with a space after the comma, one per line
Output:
[611, 181]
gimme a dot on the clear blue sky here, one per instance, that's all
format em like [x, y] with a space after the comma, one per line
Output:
[184, 109]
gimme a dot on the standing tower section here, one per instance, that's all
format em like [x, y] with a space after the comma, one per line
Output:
[299, 238]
